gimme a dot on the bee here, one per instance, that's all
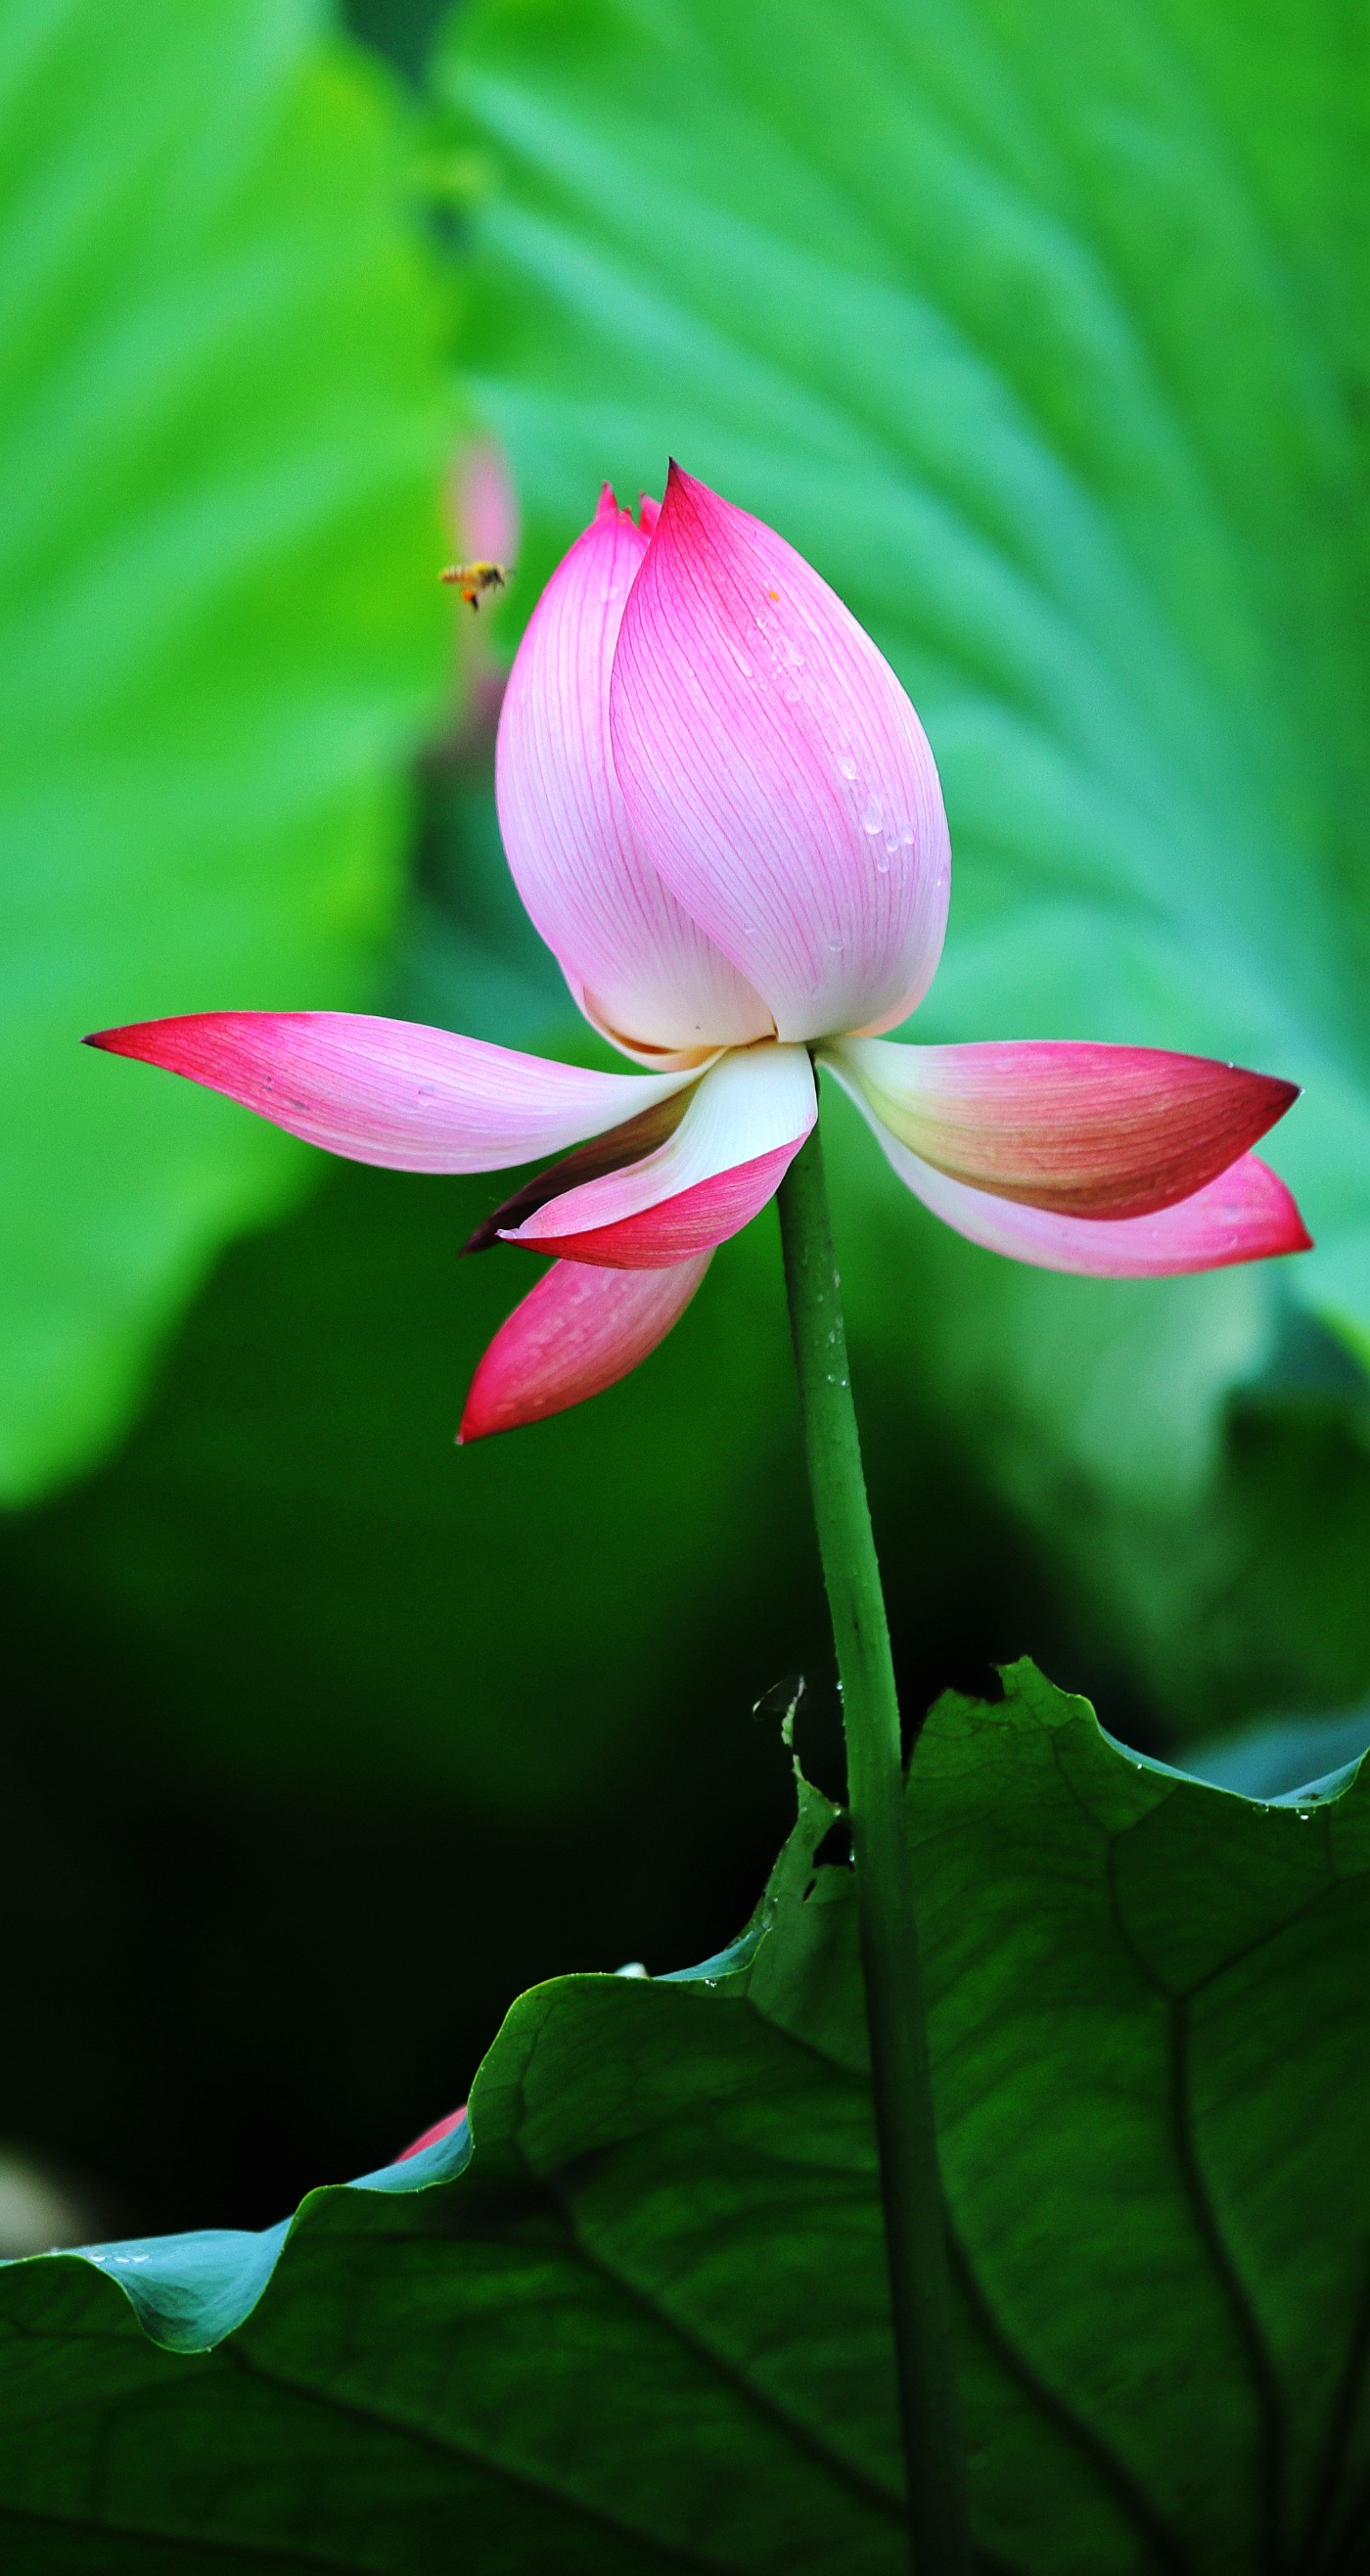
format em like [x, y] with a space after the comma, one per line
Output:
[477, 582]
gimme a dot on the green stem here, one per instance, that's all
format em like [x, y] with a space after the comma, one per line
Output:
[910, 2184]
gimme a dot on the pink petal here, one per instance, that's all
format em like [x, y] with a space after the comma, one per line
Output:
[746, 1120]
[1093, 1131]
[610, 1152]
[777, 773]
[1247, 1214]
[691, 1221]
[391, 1091]
[430, 2137]
[636, 962]
[579, 1331]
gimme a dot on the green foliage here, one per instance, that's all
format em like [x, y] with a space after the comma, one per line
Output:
[319, 1584]
[402, 30]
[661, 2248]
[1040, 333]
[220, 437]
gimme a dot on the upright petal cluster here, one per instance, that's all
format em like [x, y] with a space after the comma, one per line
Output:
[723, 816]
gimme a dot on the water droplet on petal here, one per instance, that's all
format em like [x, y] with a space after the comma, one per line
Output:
[873, 815]
[742, 662]
[847, 765]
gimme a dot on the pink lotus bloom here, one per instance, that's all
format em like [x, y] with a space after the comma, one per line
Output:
[723, 816]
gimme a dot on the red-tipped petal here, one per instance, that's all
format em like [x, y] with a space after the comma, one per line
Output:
[1247, 1214]
[1089, 1131]
[695, 1220]
[391, 1091]
[608, 1153]
[638, 965]
[577, 1332]
[776, 773]
[746, 1120]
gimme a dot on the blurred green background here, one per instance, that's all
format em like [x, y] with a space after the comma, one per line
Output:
[1046, 342]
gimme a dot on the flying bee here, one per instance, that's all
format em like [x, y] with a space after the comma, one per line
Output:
[477, 582]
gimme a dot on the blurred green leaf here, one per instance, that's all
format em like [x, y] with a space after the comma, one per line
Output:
[220, 439]
[314, 1581]
[402, 30]
[635, 2318]
[1042, 335]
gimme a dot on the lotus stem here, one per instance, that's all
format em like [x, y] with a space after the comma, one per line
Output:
[910, 2180]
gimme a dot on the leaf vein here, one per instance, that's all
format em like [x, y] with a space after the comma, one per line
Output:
[804, 2434]
[1167, 2550]
[1270, 2428]
[487, 2464]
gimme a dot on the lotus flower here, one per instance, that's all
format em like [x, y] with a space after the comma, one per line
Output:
[723, 816]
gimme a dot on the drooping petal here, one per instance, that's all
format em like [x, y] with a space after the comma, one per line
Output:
[577, 1332]
[745, 1122]
[1247, 1214]
[636, 962]
[776, 772]
[611, 1152]
[1093, 1131]
[391, 1091]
